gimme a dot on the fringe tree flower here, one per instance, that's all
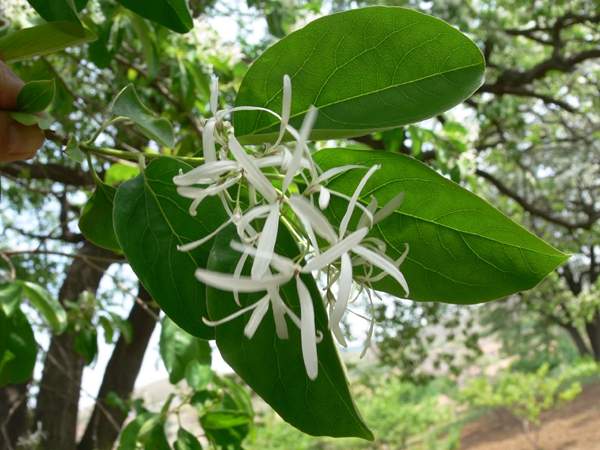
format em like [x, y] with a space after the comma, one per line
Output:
[345, 256]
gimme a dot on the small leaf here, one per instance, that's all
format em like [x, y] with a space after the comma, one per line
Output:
[55, 10]
[186, 441]
[119, 172]
[179, 348]
[129, 435]
[20, 352]
[461, 249]
[96, 221]
[49, 307]
[128, 104]
[86, 344]
[365, 70]
[42, 40]
[226, 428]
[10, 297]
[173, 14]
[36, 96]
[73, 151]
[274, 367]
[150, 221]
[198, 375]
[42, 120]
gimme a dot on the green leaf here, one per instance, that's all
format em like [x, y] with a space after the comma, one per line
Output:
[274, 367]
[73, 151]
[128, 104]
[129, 435]
[179, 348]
[154, 438]
[49, 307]
[96, 221]
[36, 96]
[119, 172]
[173, 14]
[55, 10]
[186, 441]
[42, 40]
[10, 297]
[226, 428]
[26, 119]
[365, 69]
[86, 344]
[16, 365]
[462, 249]
[198, 375]
[150, 220]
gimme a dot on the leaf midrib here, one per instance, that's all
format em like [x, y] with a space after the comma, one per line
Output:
[364, 94]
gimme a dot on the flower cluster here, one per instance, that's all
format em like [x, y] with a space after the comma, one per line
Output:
[342, 254]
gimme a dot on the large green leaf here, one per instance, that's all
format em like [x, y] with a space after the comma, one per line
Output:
[128, 104]
[42, 39]
[96, 221]
[16, 365]
[150, 220]
[273, 367]
[186, 441]
[462, 249]
[48, 306]
[179, 349]
[366, 69]
[173, 14]
[55, 10]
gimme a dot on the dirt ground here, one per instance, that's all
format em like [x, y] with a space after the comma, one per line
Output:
[574, 426]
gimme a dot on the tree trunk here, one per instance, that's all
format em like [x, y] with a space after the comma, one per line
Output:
[593, 331]
[578, 340]
[120, 375]
[13, 414]
[58, 398]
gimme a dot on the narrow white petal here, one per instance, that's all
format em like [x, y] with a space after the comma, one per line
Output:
[208, 141]
[253, 173]
[205, 174]
[388, 208]
[278, 308]
[227, 282]
[269, 161]
[195, 244]
[280, 263]
[324, 196]
[266, 243]
[344, 288]
[293, 132]
[307, 330]
[339, 335]
[335, 251]
[214, 94]
[307, 212]
[325, 176]
[296, 163]
[244, 229]
[366, 219]
[230, 317]
[354, 199]
[383, 263]
[359, 205]
[398, 262]
[257, 316]
[286, 107]
[237, 272]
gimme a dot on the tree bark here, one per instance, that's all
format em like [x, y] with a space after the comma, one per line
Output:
[13, 414]
[121, 372]
[58, 398]
[593, 332]
[578, 340]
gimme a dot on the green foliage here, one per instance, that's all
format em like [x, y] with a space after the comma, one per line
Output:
[49, 308]
[527, 395]
[365, 69]
[56, 10]
[128, 104]
[20, 349]
[42, 40]
[182, 353]
[36, 96]
[173, 14]
[96, 221]
[273, 367]
[462, 250]
[150, 220]
[186, 441]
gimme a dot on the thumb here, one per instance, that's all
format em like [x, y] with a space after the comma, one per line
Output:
[18, 141]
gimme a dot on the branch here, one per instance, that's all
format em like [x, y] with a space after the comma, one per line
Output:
[534, 210]
[48, 171]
